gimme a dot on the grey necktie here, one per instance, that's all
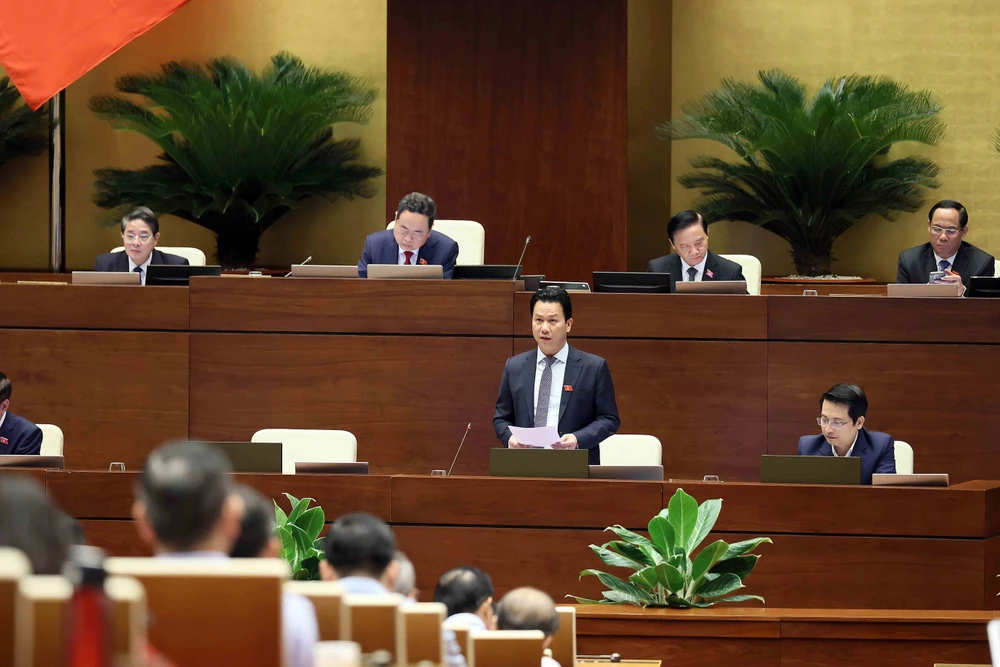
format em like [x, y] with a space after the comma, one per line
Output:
[544, 390]
[692, 272]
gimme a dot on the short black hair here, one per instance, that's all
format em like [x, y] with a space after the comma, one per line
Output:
[31, 523]
[184, 486]
[144, 214]
[528, 609]
[6, 388]
[552, 295]
[963, 215]
[417, 202]
[683, 220]
[257, 525]
[850, 395]
[463, 590]
[360, 544]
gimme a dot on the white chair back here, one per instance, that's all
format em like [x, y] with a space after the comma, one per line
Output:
[468, 234]
[904, 457]
[996, 268]
[14, 566]
[751, 270]
[304, 444]
[627, 449]
[52, 440]
[194, 256]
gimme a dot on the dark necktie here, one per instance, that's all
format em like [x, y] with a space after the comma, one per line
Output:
[409, 255]
[692, 272]
[544, 390]
[138, 270]
[944, 264]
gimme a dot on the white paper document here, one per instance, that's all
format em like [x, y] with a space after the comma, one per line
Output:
[542, 436]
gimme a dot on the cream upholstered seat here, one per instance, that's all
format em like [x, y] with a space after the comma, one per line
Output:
[304, 444]
[418, 633]
[564, 641]
[628, 449]
[52, 440]
[327, 598]
[751, 270]
[904, 457]
[468, 234]
[505, 648]
[14, 566]
[370, 621]
[194, 256]
[40, 623]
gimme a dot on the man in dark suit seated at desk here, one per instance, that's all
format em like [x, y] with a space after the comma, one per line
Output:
[556, 384]
[412, 240]
[947, 250]
[692, 261]
[140, 233]
[842, 417]
[17, 434]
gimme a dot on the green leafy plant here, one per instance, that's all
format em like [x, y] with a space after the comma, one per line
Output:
[299, 532]
[666, 571]
[22, 131]
[240, 149]
[809, 169]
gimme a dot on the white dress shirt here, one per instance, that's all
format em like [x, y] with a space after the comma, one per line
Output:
[950, 260]
[4, 416]
[401, 258]
[849, 451]
[699, 267]
[144, 266]
[558, 373]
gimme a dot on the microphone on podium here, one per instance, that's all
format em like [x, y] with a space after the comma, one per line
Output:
[467, 429]
[517, 269]
[307, 260]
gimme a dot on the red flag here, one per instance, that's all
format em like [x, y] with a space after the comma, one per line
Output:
[45, 45]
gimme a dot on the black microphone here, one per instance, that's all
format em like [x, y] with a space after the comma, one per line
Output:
[307, 260]
[467, 429]
[517, 269]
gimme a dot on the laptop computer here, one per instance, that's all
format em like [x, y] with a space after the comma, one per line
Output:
[571, 463]
[324, 271]
[920, 289]
[406, 272]
[178, 274]
[488, 272]
[632, 282]
[641, 473]
[712, 287]
[251, 456]
[31, 461]
[339, 468]
[105, 278]
[911, 479]
[810, 469]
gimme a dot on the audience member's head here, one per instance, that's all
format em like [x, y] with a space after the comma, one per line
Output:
[257, 537]
[467, 590]
[31, 523]
[528, 609]
[414, 220]
[140, 233]
[185, 501]
[400, 577]
[358, 545]
[6, 389]
[688, 234]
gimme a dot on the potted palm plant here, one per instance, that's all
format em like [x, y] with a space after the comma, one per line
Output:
[22, 131]
[240, 149]
[809, 168]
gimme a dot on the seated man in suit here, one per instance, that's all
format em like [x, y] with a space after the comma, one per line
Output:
[691, 260]
[17, 434]
[530, 609]
[412, 240]
[842, 417]
[467, 592]
[947, 250]
[140, 233]
[556, 384]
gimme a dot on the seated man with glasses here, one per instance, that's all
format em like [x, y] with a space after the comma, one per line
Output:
[842, 418]
[947, 251]
[140, 232]
[412, 239]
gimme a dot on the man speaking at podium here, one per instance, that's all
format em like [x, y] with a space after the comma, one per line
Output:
[556, 384]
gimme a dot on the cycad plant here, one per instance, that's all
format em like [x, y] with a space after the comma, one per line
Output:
[22, 131]
[809, 169]
[240, 149]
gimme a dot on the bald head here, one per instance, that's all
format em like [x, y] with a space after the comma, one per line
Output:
[528, 609]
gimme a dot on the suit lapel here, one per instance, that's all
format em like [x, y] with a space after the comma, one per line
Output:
[570, 379]
[711, 265]
[961, 259]
[528, 382]
[674, 267]
[862, 445]
[929, 264]
[825, 449]
[156, 257]
[5, 431]
[391, 250]
[122, 261]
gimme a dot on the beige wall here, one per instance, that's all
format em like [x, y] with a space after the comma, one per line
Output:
[343, 34]
[947, 47]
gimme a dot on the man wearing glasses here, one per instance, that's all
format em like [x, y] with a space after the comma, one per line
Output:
[947, 251]
[140, 233]
[842, 419]
[411, 239]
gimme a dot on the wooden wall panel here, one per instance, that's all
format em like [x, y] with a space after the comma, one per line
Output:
[116, 395]
[939, 398]
[407, 399]
[513, 113]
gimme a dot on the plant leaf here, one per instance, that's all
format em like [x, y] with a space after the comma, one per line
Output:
[629, 536]
[708, 514]
[620, 585]
[620, 597]
[645, 578]
[581, 600]
[632, 552]
[682, 512]
[614, 559]
[280, 518]
[740, 548]
[311, 521]
[708, 557]
[725, 584]
[741, 566]
[298, 507]
[739, 598]
[670, 577]
[662, 534]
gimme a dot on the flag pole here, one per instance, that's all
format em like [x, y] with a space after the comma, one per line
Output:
[57, 183]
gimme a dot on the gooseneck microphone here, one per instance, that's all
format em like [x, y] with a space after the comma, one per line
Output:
[517, 269]
[467, 429]
[307, 260]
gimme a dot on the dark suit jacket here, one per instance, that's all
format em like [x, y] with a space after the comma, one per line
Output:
[19, 436]
[916, 264]
[381, 248]
[876, 451]
[720, 268]
[118, 261]
[589, 411]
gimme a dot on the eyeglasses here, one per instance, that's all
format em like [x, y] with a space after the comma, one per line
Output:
[130, 237]
[832, 423]
[950, 232]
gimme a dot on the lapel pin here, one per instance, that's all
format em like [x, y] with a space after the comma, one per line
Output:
[423, 261]
[567, 387]
[4, 441]
[709, 273]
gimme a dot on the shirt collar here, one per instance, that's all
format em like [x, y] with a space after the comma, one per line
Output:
[700, 265]
[2, 418]
[851, 450]
[950, 260]
[473, 621]
[144, 265]
[562, 355]
[363, 586]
